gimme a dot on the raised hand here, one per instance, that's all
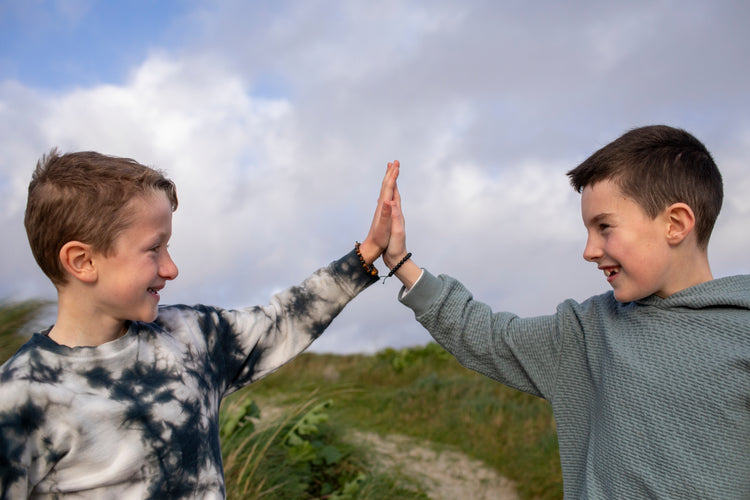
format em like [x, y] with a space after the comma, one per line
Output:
[408, 272]
[380, 229]
[396, 249]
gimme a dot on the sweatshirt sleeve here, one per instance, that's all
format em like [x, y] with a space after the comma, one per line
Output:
[520, 353]
[244, 345]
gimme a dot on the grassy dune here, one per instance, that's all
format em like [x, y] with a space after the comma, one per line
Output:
[424, 393]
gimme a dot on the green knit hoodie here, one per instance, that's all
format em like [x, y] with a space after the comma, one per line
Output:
[651, 398]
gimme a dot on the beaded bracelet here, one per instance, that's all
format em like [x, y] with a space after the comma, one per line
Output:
[372, 270]
[395, 268]
[369, 268]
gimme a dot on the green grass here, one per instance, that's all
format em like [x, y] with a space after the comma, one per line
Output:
[15, 318]
[300, 455]
[424, 393]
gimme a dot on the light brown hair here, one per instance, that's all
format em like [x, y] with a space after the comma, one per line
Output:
[657, 166]
[84, 197]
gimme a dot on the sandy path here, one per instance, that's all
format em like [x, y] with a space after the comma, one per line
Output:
[446, 475]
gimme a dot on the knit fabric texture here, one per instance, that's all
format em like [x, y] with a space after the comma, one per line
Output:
[651, 398]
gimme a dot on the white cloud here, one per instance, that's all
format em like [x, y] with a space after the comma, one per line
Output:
[276, 122]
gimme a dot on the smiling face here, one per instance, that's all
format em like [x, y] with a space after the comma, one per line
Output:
[631, 248]
[131, 276]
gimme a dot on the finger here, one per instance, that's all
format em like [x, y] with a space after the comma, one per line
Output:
[389, 180]
[398, 224]
[386, 209]
[385, 190]
[397, 241]
[386, 178]
[397, 197]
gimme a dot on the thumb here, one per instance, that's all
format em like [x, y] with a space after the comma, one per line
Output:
[386, 210]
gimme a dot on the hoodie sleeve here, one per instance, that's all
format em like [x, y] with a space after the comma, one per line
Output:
[520, 353]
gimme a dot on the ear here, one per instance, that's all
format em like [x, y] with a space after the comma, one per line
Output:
[77, 260]
[680, 222]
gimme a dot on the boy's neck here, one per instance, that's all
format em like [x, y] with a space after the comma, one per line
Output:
[76, 326]
[80, 338]
[691, 267]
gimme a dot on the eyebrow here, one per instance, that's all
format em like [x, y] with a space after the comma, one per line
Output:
[597, 218]
[159, 237]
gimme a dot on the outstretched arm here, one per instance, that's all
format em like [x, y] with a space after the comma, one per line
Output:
[380, 230]
[409, 272]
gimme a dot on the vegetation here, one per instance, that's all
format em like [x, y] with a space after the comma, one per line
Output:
[301, 451]
[424, 393]
[15, 320]
[299, 456]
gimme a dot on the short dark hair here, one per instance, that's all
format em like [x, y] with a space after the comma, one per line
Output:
[84, 197]
[657, 166]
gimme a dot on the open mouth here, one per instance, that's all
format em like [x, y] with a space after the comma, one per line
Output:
[611, 272]
[153, 291]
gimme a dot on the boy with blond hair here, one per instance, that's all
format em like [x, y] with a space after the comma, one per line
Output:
[120, 397]
[649, 383]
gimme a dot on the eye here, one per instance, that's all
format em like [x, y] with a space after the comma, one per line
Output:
[603, 227]
[159, 248]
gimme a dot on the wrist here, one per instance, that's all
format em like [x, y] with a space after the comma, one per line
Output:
[409, 273]
[369, 251]
[392, 261]
[398, 265]
[367, 266]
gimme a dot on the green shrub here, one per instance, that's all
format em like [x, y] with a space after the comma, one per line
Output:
[301, 455]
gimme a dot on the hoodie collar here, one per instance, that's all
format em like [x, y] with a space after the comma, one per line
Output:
[731, 291]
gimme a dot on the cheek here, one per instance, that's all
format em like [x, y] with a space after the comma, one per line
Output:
[629, 252]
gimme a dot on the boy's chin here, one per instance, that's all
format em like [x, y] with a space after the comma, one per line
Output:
[624, 296]
[149, 317]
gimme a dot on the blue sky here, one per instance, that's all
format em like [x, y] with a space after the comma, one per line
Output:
[64, 44]
[276, 120]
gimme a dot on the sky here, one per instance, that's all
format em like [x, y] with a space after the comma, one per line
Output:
[276, 120]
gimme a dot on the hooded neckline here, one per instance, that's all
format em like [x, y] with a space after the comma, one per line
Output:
[730, 291]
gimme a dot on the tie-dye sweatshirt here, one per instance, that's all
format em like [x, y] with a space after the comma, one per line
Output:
[138, 417]
[651, 398]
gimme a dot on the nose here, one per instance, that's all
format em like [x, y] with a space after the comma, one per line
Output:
[592, 252]
[168, 269]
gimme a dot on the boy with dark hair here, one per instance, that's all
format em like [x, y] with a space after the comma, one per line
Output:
[649, 383]
[120, 397]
